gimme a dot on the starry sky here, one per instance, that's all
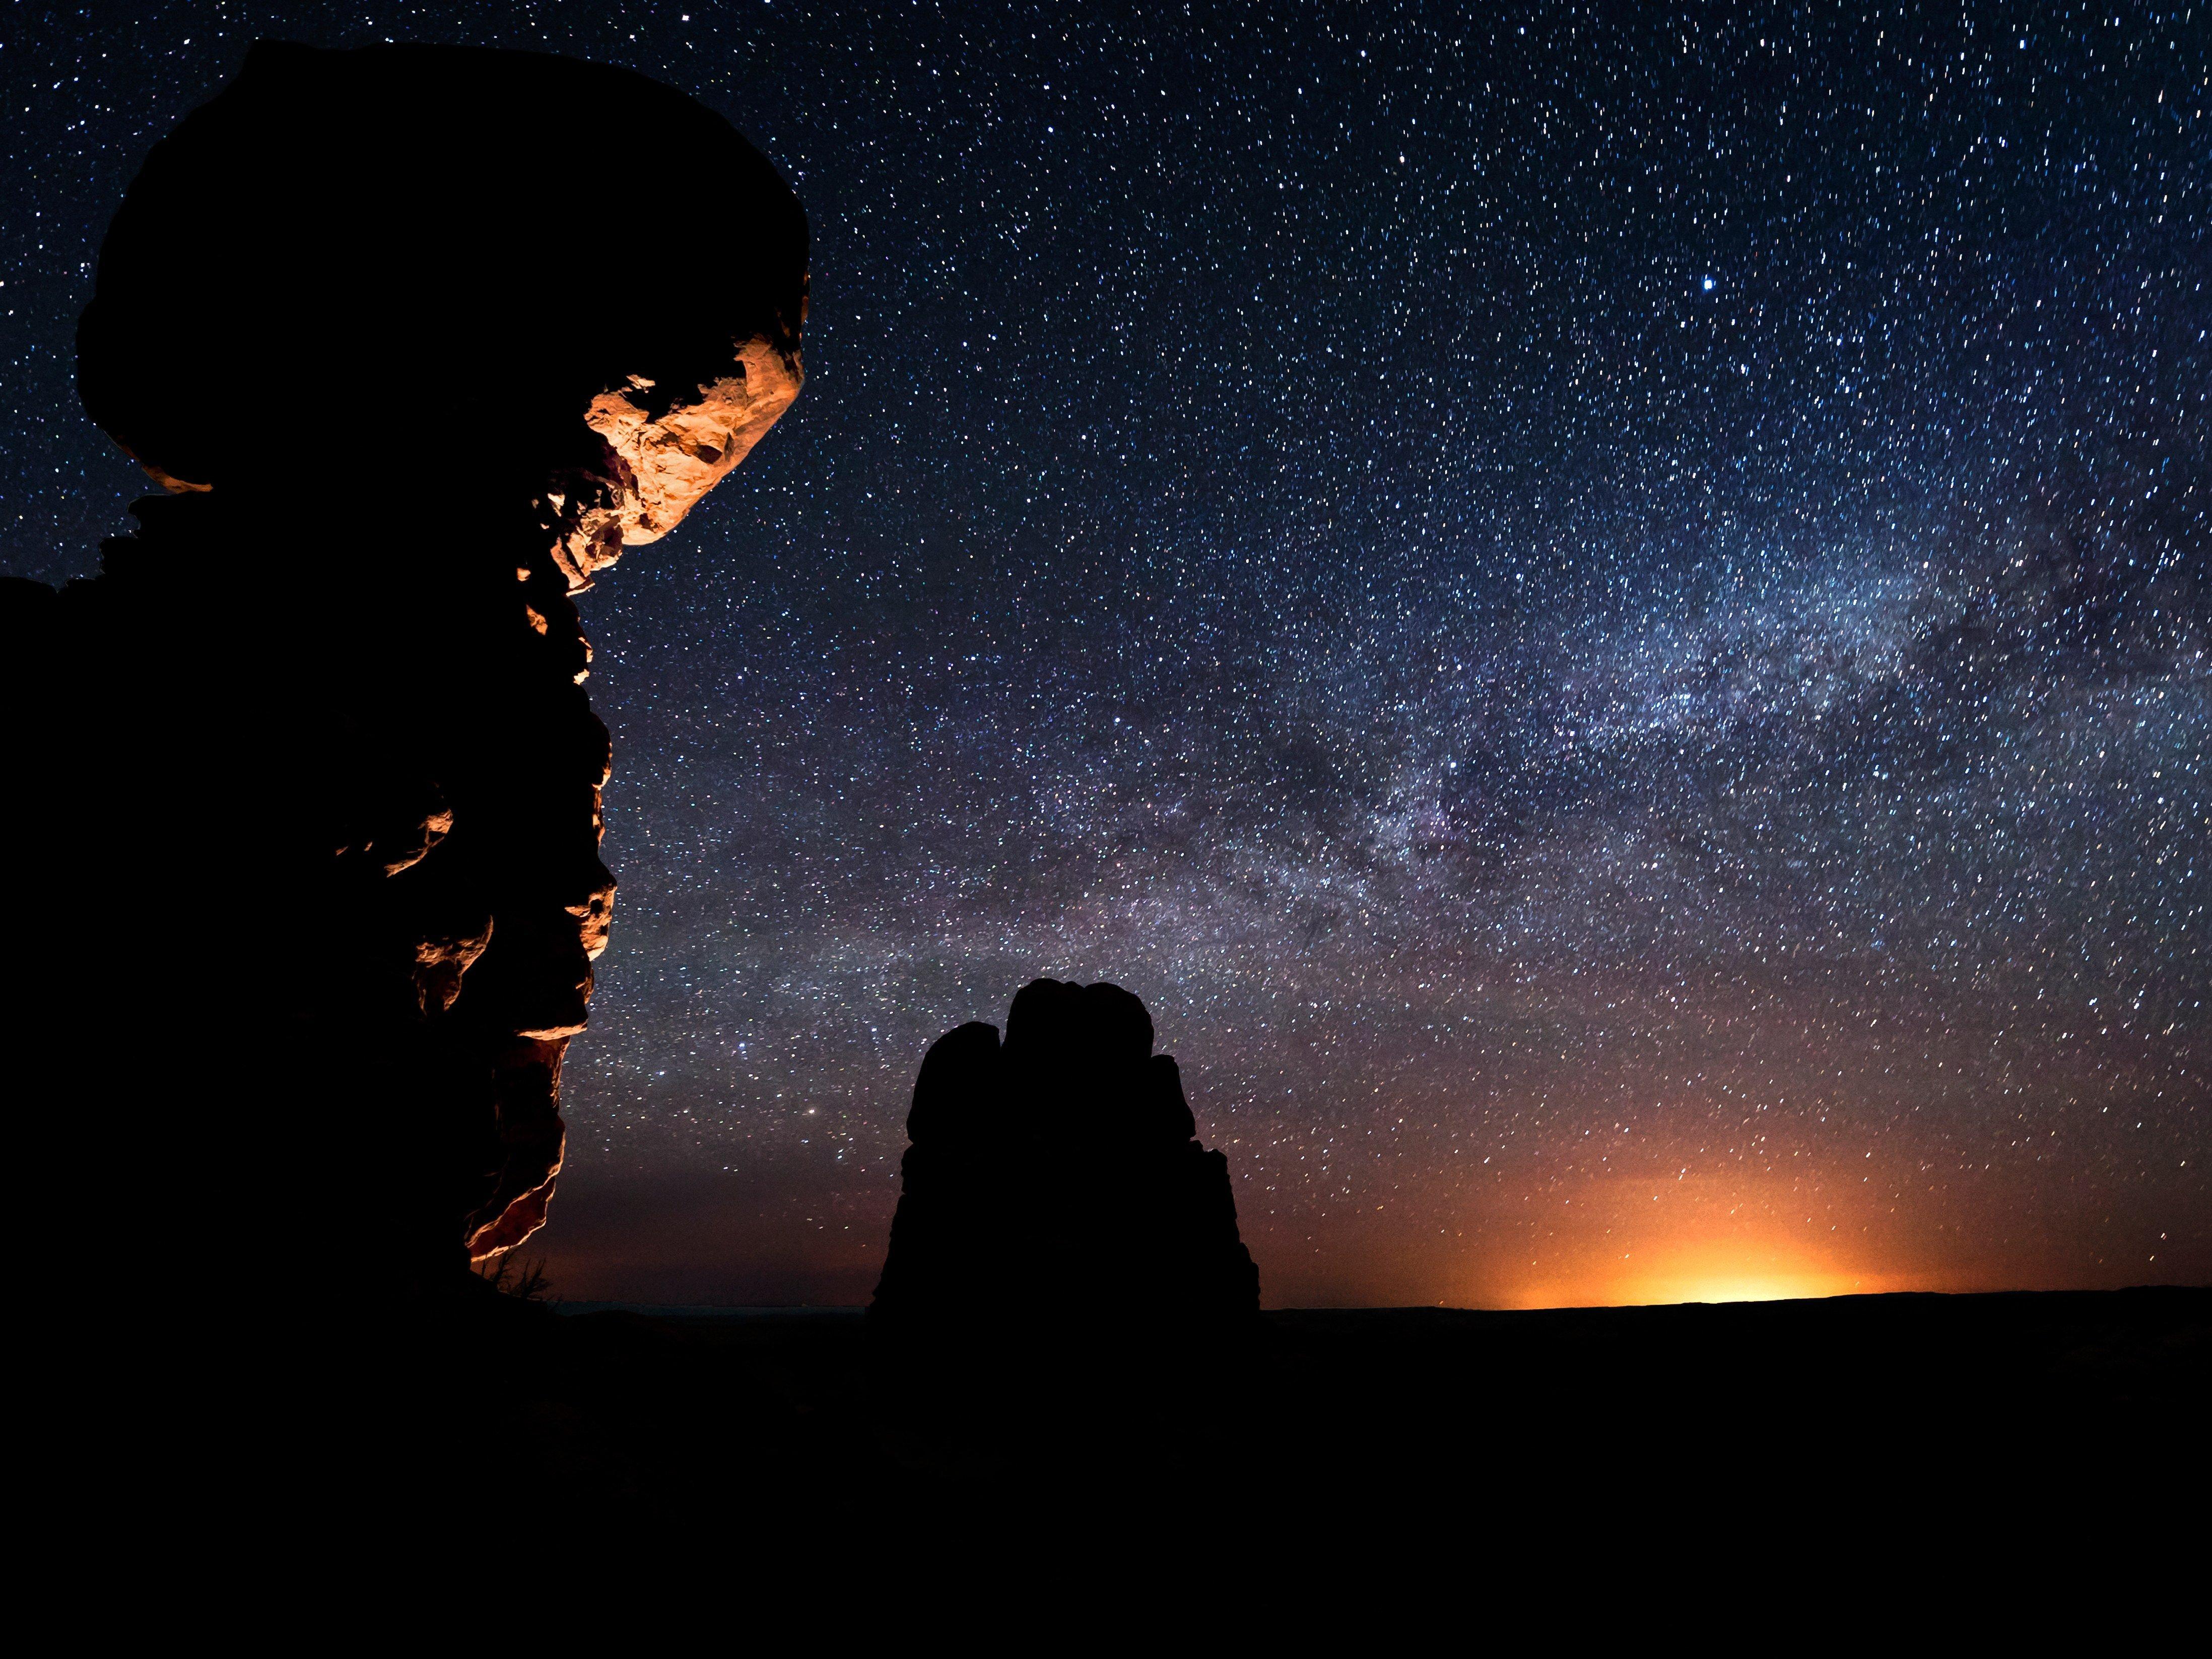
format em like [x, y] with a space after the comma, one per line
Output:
[1608, 610]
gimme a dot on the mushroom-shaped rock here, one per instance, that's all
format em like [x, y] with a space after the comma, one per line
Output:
[430, 275]
[419, 337]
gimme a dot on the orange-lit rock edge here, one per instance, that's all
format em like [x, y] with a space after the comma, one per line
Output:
[656, 469]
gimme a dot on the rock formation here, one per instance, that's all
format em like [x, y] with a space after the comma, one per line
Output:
[1065, 1280]
[1055, 1180]
[419, 339]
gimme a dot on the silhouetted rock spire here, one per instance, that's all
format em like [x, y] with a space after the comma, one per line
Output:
[1056, 1178]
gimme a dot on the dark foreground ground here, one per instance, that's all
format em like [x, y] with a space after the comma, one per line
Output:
[1769, 1473]
[2056, 1409]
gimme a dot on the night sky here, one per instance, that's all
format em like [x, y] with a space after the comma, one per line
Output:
[1607, 611]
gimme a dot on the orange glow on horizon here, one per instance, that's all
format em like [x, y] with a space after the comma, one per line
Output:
[1614, 1244]
[1717, 1271]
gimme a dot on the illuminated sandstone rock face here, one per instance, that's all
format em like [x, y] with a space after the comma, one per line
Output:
[657, 466]
[381, 322]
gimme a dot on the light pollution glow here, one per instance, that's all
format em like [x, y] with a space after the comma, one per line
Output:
[1604, 1240]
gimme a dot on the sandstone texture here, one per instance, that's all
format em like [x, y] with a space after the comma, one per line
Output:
[657, 466]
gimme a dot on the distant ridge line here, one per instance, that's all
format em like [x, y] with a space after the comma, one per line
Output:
[839, 1311]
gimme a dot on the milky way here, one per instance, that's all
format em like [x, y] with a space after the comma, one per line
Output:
[1605, 611]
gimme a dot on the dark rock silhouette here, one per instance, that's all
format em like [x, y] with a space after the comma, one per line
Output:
[1065, 1280]
[419, 338]
[1056, 1178]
